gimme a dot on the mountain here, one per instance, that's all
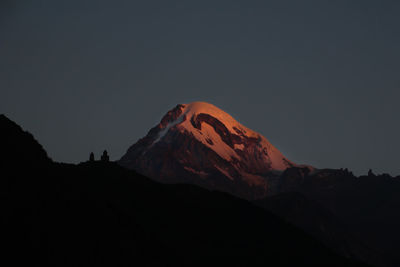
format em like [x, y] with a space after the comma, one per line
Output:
[100, 214]
[201, 144]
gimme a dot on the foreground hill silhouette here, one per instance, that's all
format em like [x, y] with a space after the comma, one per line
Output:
[365, 206]
[99, 214]
[325, 226]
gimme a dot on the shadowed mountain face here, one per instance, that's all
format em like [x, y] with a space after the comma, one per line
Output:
[99, 214]
[356, 215]
[201, 144]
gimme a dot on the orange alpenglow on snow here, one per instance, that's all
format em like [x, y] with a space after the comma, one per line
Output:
[207, 132]
[202, 144]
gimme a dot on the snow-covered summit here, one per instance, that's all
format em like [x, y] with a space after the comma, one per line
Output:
[202, 144]
[209, 136]
[195, 108]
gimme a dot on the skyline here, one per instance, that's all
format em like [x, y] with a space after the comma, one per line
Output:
[318, 80]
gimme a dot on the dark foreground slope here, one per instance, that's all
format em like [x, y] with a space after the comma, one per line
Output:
[356, 216]
[322, 224]
[97, 214]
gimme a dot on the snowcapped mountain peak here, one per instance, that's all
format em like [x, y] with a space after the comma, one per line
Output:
[202, 144]
[196, 108]
[218, 130]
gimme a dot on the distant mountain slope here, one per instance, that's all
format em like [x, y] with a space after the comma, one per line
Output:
[201, 144]
[99, 214]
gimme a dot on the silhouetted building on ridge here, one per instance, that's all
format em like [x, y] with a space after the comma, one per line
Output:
[91, 157]
[105, 156]
[370, 173]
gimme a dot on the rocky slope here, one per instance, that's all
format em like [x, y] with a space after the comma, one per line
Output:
[201, 144]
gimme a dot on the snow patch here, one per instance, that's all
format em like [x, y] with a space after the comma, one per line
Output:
[230, 123]
[253, 179]
[239, 146]
[164, 131]
[200, 173]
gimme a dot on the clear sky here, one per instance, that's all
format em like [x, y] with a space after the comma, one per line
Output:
[319, 79]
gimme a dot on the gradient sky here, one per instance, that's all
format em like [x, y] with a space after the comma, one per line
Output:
[319, 79]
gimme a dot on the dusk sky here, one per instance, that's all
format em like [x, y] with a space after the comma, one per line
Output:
[319, 79]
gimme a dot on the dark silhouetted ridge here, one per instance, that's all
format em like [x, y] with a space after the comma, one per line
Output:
[100, 214]
[19, 147]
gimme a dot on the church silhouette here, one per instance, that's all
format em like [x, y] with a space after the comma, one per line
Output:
[105, 157]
